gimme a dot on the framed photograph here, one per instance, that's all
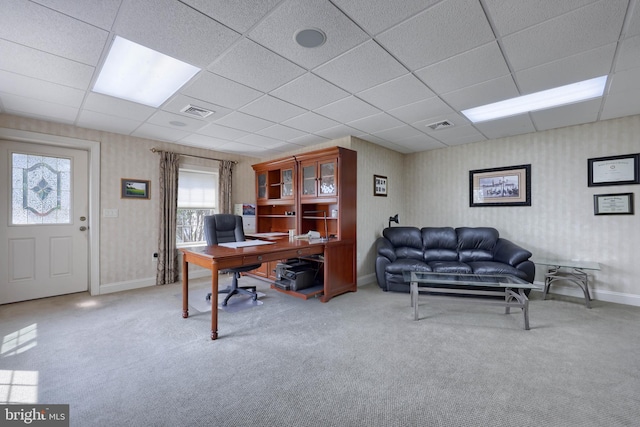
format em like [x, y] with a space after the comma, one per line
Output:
[613, 204]
[135, 189]
[614, 170]
[505, 186]
[379, 185]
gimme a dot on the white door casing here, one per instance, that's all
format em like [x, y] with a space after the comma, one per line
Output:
[66, 256]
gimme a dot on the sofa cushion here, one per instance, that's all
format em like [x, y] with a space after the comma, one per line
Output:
[439, 244]
[406, 264]
[450, 267]
[407, 241]
[492, 267]
[476, 244]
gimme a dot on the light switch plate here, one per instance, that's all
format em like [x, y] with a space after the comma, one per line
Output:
[110, 213]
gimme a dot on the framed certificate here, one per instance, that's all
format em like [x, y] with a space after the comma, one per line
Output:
[614, 170]
[613, 204]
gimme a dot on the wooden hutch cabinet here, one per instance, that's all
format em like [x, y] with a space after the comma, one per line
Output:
[310, 191]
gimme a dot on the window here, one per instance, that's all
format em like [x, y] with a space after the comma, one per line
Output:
[197, 197]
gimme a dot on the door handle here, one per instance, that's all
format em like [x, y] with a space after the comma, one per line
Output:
[83, 228]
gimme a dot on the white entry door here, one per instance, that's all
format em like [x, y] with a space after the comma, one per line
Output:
[43, 221]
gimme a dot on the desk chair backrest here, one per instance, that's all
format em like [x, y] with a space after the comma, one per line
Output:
[223, 228]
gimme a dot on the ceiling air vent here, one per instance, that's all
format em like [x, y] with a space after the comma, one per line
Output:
[440, 125]
[196, 111]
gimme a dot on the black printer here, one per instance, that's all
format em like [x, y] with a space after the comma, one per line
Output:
[295, 275]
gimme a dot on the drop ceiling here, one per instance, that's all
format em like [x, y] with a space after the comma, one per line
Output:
[387, 70]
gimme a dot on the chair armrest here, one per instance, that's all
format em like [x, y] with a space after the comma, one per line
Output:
[385, 248]
[508, 252]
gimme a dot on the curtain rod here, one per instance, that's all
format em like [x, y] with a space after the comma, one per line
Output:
[155, 150]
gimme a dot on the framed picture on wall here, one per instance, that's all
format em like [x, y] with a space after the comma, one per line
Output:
[614, 170]
[613, 204]
[379, 185]
[135, 189]
[504, 186]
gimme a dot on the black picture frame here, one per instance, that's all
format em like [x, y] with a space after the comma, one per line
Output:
[503, 186]
[614, 170]
[613, 204]
[380, 185]
[135, 189]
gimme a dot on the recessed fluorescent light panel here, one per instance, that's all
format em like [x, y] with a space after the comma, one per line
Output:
[139, 74]
[563, 95]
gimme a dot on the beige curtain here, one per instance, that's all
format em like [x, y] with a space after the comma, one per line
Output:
[167, 252]
[226, 170]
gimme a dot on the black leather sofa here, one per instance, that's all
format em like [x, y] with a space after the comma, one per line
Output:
[464, 250]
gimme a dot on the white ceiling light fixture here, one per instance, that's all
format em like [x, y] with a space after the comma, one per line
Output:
[563, 95]
[139, 74]
[310, 38]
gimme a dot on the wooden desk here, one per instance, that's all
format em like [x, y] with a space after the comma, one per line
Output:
[339, 266]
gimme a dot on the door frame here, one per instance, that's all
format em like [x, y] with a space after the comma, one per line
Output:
[93, 148]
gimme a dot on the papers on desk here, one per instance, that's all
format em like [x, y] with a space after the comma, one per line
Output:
[245, 243]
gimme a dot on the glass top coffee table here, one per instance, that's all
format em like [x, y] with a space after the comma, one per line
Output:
[510, 288]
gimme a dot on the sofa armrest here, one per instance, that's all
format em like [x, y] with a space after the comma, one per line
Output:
[509, 253]
[385, 248]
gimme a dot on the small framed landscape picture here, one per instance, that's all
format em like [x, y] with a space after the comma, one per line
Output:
[504, 186]
[379, 185]
[135, 189]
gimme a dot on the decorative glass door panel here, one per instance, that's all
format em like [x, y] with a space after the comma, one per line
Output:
[287, 183]
[309, 180]
[327, 179]
[41, 190]
[262, 185]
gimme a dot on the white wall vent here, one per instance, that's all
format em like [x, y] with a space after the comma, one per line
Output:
[440, 125]
[196, 111]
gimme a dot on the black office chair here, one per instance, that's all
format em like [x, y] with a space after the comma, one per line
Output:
[224, 228]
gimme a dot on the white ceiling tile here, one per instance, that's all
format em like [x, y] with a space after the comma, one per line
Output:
[244, 149]
[308, 140]
[398, 133]
[272, 109]
[239, 15]
[179, 102]
[458, 135]
[373, 64]
[17, 84]
[453, 118]
[100, 13]
[376, 123]
[347, 110]
[187, 34]
[29, 107]
[117, 107]
[310, 92]
[420, 142]
[220, 91]
[378, 15]
[384, 143]
[260, 141]
[510, 126]
[44, 29]
[568, 115]
[510, 16]
[176, 121]
[633, 25]
[277, 31]
[44, 66]
[396, 93]
[581, 30]
[161, 133]
[571, 69]
[105, 122]
[283, 133]
[484, 93]
[222, 132]
[339, 131]
[244, 122]
[444, 30]
[241, 63]
[203, 141]
[629, 54]
[421, 110]
[474, 66]
[623, 96]
[310, 122]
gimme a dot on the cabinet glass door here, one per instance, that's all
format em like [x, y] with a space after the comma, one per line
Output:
[327, 179]
[309, 180]
[262, 185]
[287, 183]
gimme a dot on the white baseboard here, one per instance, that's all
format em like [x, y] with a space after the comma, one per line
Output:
[596, 294]
[365, 280]
[109, 288]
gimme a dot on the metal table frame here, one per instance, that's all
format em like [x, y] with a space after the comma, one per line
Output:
[569, 271]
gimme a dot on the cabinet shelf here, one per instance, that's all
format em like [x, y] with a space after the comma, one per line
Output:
[276, 216]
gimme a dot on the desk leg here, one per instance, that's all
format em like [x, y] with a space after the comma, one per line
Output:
[214, 301]
[185, 288]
